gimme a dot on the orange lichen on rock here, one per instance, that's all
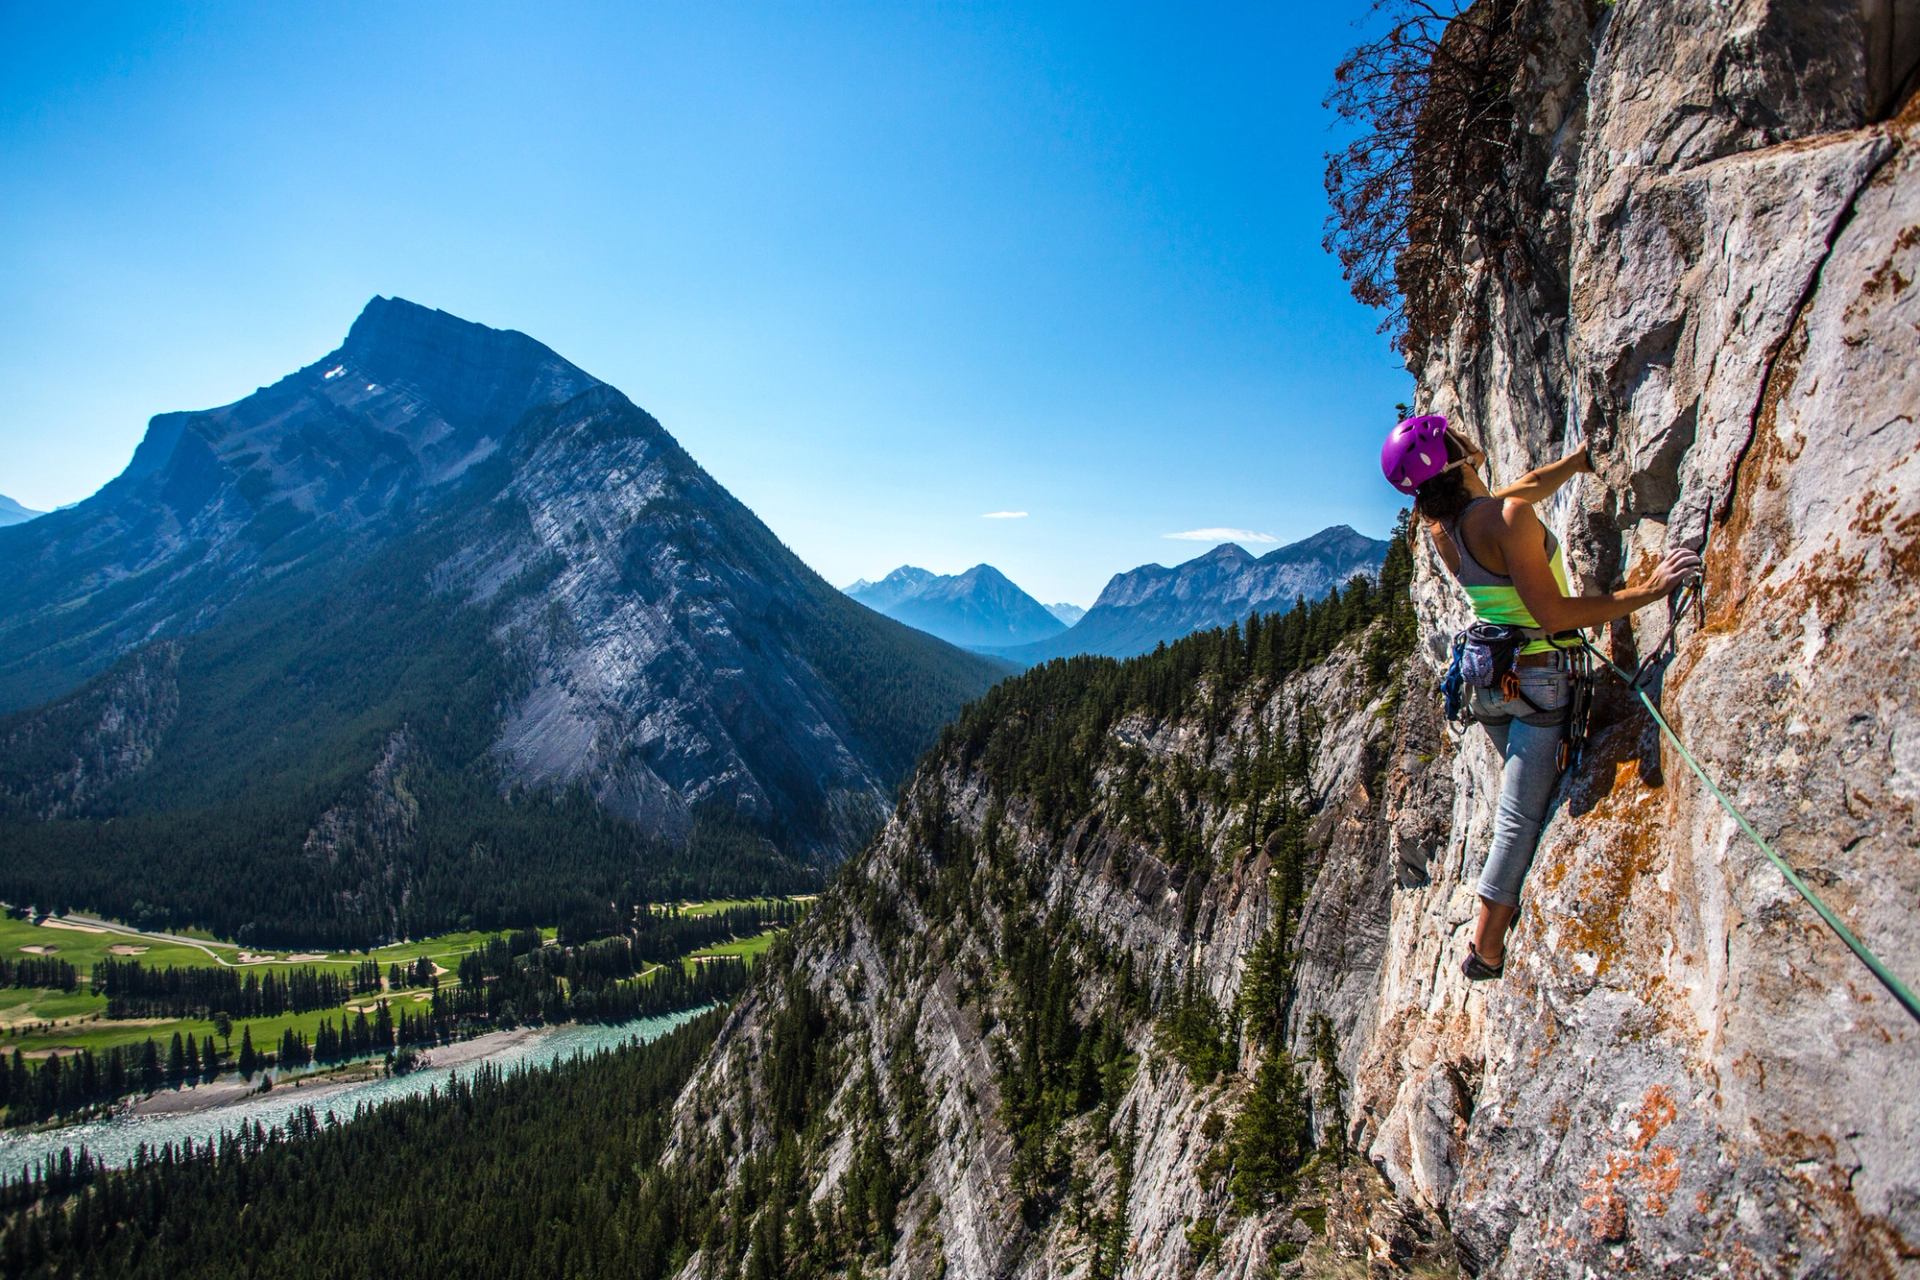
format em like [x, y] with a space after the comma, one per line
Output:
[1904, 550]
[1623, 849]
[1657, 1111]
[1650, 1168]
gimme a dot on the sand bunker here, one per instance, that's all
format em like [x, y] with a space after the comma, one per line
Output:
[304, 957]
[51, 923]
[39, 951]
[126, 949]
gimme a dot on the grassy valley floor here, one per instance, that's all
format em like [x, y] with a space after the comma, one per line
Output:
[412, 979]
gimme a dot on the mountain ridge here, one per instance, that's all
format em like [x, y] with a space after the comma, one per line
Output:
[501, 560]
[979, 608]
[1157, 604]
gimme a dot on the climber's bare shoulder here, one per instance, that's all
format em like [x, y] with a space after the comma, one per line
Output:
[1443, 545]
[1514, 518]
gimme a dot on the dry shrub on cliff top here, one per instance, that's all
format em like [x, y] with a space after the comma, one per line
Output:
[1423, 177]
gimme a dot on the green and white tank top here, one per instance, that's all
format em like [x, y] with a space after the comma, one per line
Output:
[1493, 594]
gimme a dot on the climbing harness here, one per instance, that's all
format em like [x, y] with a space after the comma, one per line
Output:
[1636, 684]
[1484, 658]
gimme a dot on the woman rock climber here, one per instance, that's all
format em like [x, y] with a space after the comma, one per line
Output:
[1514, 575]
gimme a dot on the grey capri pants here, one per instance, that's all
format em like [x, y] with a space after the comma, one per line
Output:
[1529, 742]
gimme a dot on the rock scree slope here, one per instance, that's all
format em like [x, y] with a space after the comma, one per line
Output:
[1156, 975]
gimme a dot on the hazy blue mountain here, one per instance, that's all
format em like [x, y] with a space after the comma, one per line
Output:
[1067, 613]
[337, 626]
[12, 512]
[978, 609]
[902, 584]
[1146, 606]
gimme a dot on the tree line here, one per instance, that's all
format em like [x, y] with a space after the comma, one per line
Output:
[1042, 735]
[60, 1086]
[134, 990]
[39, 971]
[469, 1178]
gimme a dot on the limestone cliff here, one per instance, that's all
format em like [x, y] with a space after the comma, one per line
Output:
[1683, 1063]
[1071, 1016]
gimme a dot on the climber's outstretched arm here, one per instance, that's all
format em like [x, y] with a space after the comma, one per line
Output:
[1523, 541]
[1539, 484]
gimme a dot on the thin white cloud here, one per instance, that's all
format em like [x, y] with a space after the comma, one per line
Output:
[1003, 515]
[1221, 535]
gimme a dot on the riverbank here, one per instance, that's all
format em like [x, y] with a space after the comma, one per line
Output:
[172, 1118]
[317, 1086]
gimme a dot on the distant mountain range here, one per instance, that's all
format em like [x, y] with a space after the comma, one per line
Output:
[978, 609]
[1138, 609]
[1154, 604]
[439, 628]
[12, 512]
[1067, 613]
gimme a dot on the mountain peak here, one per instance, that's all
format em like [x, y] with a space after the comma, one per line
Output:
[1228, 551]
[978, 609]
[984, 573]
[385, 321]
[471, 373]
[1331, 536]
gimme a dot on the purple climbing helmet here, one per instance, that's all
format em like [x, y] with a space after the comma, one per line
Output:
[1415, 452]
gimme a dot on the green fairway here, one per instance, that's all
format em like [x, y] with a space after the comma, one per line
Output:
[104, 1033]
[440, 948]
[714, 906]
[745, 948]
[20, 1005]
[84, 948]
[85, 944]
[79, 1016]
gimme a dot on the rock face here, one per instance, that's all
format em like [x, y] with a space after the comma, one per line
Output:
[1732, 227]
[1701, 263]
[1155, 605]
[59, 761]
[978, 609]
[676, 653]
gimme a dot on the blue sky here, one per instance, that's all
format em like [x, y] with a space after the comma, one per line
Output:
[883, 269]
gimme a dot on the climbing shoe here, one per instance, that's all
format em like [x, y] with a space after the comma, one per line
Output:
[1478, 970]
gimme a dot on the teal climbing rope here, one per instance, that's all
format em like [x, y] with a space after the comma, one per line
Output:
[1890, 980]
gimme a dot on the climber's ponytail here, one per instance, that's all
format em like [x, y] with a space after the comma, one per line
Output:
[1445, 496]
